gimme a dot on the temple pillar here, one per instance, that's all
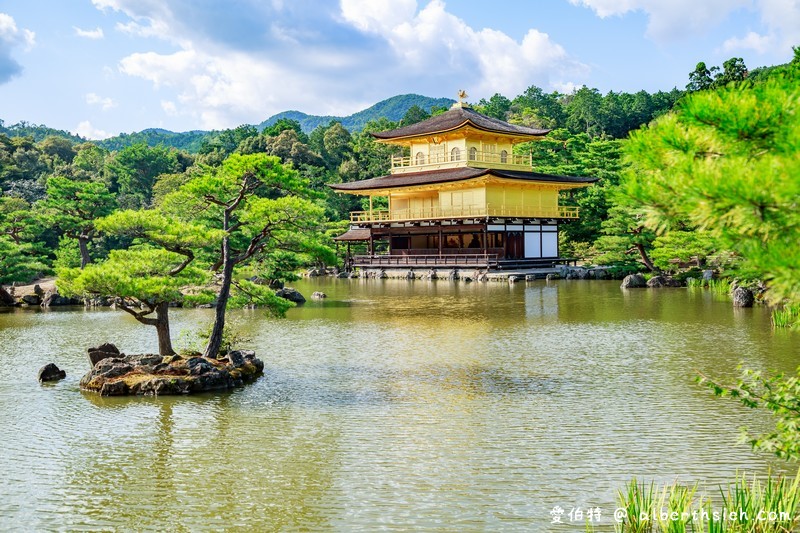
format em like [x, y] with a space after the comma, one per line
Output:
[485, 239]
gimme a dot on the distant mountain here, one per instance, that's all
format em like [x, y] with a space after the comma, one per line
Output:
[188, 140]
[392, 108]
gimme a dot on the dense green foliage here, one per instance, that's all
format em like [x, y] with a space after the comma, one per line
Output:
[726, 162]
[150, 275]
[252, 210]
[190, 141]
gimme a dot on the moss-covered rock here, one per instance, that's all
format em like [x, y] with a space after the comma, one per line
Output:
[154, 375]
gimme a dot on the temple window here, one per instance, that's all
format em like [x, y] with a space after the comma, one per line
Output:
[473, 154]
[455, 154]
[504, 156]
[437, 154]
[420, 159]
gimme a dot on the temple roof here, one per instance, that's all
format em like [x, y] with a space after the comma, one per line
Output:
[454, 119]
[451, 174]
[353, 234]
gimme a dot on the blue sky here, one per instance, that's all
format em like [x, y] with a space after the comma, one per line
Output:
[102, 67]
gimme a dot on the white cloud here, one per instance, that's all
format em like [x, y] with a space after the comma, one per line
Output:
[150, 18]
[104, 103]
[782, 18]
[566, 87]
[378, 15]
[239, 66]
[681, 18]
[222, 91]
[11, 37]
[162, 69]
[670, 20]
[96, 33]
[87, 131]
[751, 41]
[169, 107]
[437, 41]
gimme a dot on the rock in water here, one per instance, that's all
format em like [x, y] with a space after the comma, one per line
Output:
[101, 352]
[743, 297]
[5, 298]
[293, 295]
[657, 281]
[50, 372]
[154, 375]
[662, 281]
[52, 298]
[236, 358]
[31, 299]
[633, 281]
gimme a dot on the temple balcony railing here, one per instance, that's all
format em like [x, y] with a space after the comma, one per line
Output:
[409, 260]
[470, 211]
[469, 158]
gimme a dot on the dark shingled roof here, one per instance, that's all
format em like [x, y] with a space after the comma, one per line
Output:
[451, 174]
[455, 118]
[353, 234]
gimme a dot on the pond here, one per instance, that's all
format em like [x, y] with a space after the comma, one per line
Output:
[390, 404]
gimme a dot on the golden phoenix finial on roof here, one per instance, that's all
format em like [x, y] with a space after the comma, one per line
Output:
[462, 95]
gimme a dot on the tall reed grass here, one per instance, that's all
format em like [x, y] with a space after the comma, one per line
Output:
[787, 316]
[717, 286]
[695, 283]
[748, 505]
[720, 286]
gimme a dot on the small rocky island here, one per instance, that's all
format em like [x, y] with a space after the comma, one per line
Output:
[116, 374]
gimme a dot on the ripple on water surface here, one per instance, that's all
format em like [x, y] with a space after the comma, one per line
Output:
[396, 405]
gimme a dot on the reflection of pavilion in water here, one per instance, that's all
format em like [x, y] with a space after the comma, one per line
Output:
[541, 301]
[461, 198]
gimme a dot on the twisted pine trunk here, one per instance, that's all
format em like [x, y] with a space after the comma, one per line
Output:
[215, 339]
[162, 328]
[83, 245]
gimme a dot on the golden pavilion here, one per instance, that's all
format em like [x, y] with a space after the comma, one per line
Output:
[462, 198]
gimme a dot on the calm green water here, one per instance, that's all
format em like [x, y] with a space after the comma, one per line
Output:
[390, 405]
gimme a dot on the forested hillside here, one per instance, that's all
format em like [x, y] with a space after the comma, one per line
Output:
[37, 132]
[190, 141]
